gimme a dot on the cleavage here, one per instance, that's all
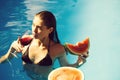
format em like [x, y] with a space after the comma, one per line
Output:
[36, 54]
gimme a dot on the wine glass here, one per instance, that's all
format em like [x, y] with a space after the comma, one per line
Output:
[24, 40]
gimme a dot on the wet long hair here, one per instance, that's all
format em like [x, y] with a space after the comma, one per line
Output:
[49, 20]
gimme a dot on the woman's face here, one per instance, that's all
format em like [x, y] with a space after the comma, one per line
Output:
[39, 30]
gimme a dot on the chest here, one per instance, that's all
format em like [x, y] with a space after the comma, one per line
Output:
[36, 54]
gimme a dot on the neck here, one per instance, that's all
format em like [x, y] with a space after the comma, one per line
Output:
[42, 42]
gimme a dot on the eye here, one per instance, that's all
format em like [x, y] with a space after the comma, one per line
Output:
[39, 27]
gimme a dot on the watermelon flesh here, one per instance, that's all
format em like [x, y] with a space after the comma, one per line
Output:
[80, 48]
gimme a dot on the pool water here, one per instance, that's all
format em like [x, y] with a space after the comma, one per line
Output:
[76, 19]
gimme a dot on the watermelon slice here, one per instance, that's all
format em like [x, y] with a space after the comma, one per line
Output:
[79, 48]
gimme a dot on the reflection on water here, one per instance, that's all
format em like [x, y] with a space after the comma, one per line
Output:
[13, 21]
[76, 19]
[37, 72]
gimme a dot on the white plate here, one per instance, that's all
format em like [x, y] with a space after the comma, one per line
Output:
[66, 73]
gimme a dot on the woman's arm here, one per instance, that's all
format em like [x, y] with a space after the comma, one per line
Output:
[15, 48]
[64, 62]
[7, 56]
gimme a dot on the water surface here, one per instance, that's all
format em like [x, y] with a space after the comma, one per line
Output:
[76, 19]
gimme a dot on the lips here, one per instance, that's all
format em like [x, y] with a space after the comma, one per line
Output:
[34, 35]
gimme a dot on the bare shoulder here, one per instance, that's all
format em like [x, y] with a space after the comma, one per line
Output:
[57, 50]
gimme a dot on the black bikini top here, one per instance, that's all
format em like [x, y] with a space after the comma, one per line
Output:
[47, 61]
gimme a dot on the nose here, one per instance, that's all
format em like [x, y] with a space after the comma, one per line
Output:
[35, 29]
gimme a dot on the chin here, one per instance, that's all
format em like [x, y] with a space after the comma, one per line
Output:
[35, 36]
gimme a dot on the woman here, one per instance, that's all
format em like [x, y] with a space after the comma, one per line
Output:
[39, 56]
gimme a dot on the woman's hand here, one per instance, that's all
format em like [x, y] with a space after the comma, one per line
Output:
[82, 58]
[85, 54]
[16, 46]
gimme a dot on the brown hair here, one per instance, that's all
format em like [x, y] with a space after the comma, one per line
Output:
[49, 21]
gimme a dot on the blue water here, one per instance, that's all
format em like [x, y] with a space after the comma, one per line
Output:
[76, 19]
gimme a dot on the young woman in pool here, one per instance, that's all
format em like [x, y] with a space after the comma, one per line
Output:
[39, 56]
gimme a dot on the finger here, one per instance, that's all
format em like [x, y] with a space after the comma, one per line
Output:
[79, 58]
[18, 47]
[79, 61]
[85, 54]
[82, 59]
[18, 40]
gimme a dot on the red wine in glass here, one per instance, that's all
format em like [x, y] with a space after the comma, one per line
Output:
[25, 41]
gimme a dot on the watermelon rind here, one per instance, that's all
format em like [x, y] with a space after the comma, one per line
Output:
[76, 53]
[73, 53]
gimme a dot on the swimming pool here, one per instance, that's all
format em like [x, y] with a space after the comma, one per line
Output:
[76, 19]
